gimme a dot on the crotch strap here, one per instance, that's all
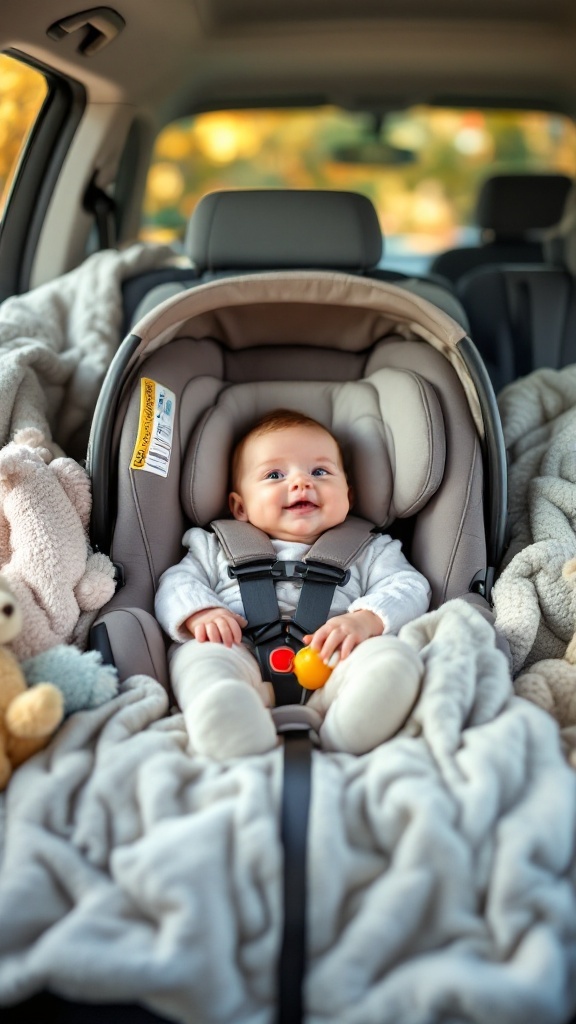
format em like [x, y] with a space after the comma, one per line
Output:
[254, 563]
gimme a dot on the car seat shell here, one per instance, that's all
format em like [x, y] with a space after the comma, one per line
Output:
[285, 326]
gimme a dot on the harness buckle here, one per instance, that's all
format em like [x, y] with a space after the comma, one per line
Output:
[251, 570]
[317, 572]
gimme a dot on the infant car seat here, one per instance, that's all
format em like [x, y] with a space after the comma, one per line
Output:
[318, 330]
[366, 359]
[392, 376]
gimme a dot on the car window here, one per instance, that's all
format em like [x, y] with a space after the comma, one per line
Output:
[23, 90]
[421, 167]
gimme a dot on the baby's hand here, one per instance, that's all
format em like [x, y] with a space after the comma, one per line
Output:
[343, 633]
[216, 625]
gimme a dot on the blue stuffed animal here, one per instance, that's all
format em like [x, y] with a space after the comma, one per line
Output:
[84, 681]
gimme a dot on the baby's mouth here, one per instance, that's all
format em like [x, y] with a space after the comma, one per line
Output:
[304, 506]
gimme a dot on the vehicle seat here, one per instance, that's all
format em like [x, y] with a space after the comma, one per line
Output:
[259, 230]
[394, 402]
[513, 212]
[523, 317]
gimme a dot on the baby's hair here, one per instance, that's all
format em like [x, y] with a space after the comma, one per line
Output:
[278, 419]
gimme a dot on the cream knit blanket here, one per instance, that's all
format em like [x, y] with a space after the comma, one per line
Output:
[440, 867]
[57, 341]
[535, 604]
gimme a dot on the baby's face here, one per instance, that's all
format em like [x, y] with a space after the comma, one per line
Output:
[291, 484]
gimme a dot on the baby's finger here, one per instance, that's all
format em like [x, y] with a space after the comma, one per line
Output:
[213, 633]
[331, 644]
[318, 638]
[348, 644]
[225, 627]
[199, 633]
[242, 622]
[231, 629]
[235, 632]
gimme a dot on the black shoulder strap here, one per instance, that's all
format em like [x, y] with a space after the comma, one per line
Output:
[253, 562]
[337, 548]
[252, 557]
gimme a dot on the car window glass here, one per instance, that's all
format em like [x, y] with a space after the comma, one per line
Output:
[421, 167]
[22, 93]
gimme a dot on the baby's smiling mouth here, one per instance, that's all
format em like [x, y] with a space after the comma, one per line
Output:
[303, 505]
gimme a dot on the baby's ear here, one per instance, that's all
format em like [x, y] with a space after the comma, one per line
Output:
[351, 497]
[236, 506]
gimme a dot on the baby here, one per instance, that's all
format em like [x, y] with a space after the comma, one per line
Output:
[288, 480]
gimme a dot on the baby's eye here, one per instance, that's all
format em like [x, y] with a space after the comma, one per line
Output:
[274, 474]
[319, 471]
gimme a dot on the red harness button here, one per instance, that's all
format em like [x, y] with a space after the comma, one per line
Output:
[281, 659]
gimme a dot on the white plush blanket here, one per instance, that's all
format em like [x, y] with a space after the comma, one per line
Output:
[535, 603]
[440, 867]
[56, 343]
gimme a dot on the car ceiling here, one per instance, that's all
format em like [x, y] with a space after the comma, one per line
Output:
[183, 55]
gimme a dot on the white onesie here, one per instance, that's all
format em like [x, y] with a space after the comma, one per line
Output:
[228, 722]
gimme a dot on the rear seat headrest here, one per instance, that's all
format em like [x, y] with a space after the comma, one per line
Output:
[262, 229]
[560, 241]
[390, 427]
[512, 205]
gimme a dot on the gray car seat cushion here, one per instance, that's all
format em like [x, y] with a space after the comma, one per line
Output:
[265, 229]
[390, 428]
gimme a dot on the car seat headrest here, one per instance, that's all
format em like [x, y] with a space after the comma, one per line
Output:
[389, 425]
[512, 205]
[263, 229]
[560, 241]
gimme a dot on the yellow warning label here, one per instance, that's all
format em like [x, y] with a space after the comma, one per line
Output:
[147, 403]
[153, 446]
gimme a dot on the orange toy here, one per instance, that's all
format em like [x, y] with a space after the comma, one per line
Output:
[310, 671]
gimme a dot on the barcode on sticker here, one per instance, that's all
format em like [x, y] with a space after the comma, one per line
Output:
[153, 446]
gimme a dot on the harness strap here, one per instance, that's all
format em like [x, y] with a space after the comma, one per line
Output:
[340, 546]
[343, 544]
[256, 567]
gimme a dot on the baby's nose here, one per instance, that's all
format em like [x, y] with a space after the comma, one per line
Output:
[301, 480]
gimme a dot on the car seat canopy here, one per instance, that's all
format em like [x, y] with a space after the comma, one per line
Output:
[389, 425]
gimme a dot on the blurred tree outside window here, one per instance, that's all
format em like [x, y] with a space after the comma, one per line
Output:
[421, 167]
[22, 93]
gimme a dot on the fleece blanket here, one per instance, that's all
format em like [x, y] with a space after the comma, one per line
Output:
[440, 866]
[534, 599]
[57, 341]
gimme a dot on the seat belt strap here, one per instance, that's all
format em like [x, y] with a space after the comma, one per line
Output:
[255, 565]
[243, 543]
[343, 544]
[251, 555]
[340, 546]
[253, 562]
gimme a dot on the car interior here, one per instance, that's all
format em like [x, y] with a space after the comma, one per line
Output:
[363, 212]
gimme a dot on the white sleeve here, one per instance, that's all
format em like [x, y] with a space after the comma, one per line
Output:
[190, 586]
[392, 588]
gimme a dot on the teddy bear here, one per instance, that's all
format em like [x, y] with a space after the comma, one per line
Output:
[58, 581]
[28, 716]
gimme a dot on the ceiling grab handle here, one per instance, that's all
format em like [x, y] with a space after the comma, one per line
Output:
[102, 25]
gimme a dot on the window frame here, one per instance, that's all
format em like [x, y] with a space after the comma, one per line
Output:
[37, 172]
